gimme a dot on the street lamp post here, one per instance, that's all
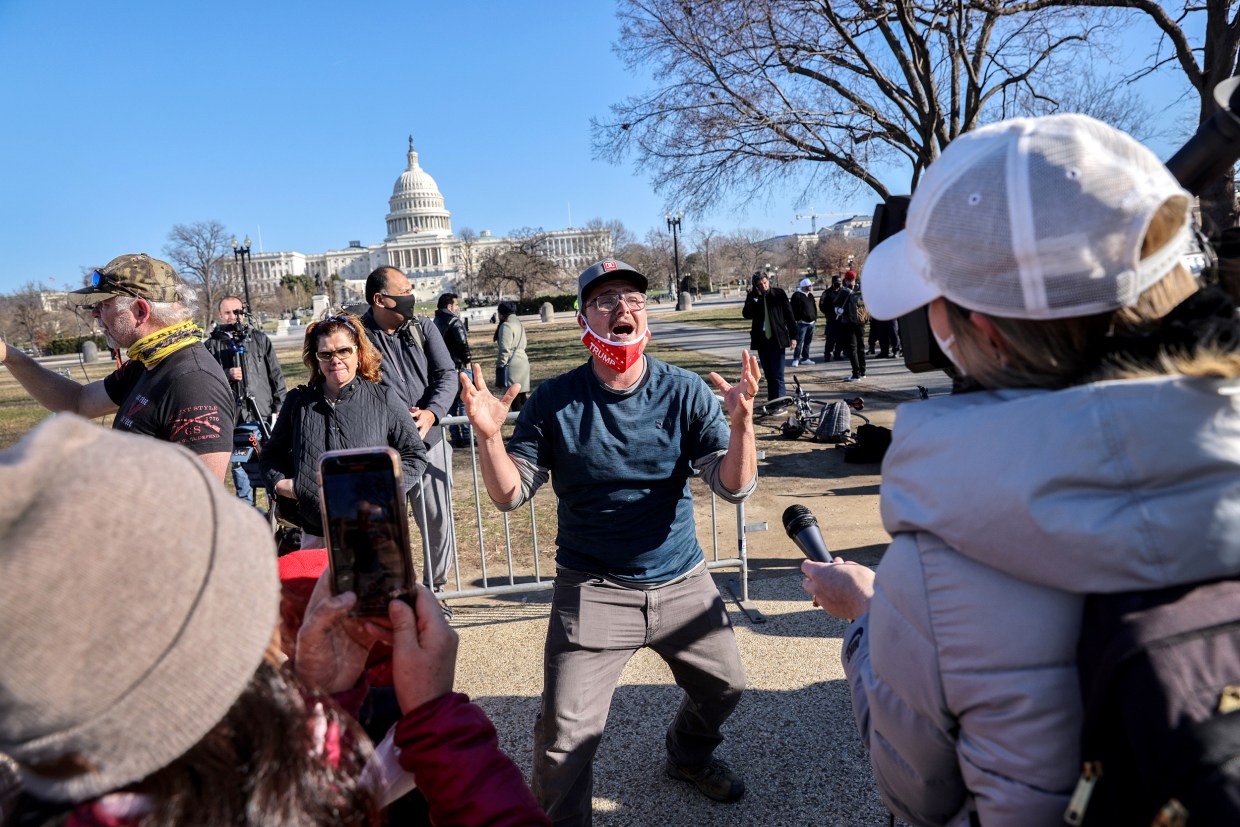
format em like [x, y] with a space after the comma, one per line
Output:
[241, 253]
[673, 224]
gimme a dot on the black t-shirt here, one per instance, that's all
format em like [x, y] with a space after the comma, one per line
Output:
[184, 399]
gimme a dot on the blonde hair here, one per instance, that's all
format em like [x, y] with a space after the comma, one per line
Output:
[1057, 353]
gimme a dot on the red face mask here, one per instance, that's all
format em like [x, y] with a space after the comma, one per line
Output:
[619, 356]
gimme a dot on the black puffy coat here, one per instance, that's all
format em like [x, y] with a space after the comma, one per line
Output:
[367, 415]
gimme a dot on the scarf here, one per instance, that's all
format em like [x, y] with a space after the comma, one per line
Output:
[149, 350]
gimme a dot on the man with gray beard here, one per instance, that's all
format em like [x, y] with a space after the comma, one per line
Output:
[170, 387]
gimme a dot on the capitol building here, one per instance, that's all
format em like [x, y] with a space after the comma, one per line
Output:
[419, 242]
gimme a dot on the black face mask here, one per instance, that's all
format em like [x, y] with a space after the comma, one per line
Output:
[404, 305]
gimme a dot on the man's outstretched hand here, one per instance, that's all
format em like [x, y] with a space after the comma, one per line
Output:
[738, 398]
[486, 413]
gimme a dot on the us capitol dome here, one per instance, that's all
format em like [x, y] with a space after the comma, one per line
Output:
[416, 204]
[419, 241]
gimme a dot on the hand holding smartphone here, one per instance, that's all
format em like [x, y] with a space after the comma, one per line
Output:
[363, 504]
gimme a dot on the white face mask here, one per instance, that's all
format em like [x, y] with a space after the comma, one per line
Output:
[945, 345]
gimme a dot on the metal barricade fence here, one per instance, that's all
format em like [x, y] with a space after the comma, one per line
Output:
[514, 583]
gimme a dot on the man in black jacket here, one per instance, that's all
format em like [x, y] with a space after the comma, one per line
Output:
[418, 366]
[456, 337]
[772, 330]
[852, 315]
[170, 388]
[833, 348]
[249, 361]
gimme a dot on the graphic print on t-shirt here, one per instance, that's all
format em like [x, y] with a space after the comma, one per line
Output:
[139, 402]
[194, 424]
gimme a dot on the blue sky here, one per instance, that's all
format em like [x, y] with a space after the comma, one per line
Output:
[289, 121]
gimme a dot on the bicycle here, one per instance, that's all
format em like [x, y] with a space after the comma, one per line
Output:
[805, 413]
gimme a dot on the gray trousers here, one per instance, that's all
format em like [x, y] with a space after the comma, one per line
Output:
[595, 628]
[437, 528]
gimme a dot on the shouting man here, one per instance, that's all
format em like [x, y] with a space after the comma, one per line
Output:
[619, 438]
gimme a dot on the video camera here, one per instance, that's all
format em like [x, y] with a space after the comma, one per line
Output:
[1206, 156]
[237, 331]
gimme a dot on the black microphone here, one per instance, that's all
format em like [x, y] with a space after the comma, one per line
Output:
[802, 528]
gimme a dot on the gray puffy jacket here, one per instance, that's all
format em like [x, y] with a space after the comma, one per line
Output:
[1005, 508]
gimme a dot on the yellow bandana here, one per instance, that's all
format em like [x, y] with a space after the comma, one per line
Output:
[150, 349]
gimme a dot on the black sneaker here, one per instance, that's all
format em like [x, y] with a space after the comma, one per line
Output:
[714, 780]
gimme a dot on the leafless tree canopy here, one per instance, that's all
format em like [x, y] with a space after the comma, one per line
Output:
[1205, 63]
[30, 315]
[621, 236]
[833, 254]
[468, 258]
[198, 251]
[523, 265]
[753, 87]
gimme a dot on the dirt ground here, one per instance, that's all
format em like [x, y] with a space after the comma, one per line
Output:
[843, 497]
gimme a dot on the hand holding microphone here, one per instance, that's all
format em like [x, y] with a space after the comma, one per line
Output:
[842, 588]
[802, 528]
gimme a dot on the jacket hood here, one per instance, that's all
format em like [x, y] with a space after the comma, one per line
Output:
[1102, 487]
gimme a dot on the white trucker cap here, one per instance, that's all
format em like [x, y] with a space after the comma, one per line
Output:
[1030, 218]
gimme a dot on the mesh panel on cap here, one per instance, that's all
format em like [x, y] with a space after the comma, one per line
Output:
[1083, 224]
[974, 267]
[1041, 218]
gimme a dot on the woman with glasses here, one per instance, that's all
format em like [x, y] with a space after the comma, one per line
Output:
[343, 406]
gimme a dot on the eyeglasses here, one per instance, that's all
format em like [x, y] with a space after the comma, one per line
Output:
[340, 353]
[610, 301]
[101, 279]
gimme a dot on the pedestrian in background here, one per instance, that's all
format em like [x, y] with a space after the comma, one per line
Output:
[456, 337]
[771, 331]
[833, 347]
[418, 367]
[805, 313]
[253, 370]
[851, 313]
[512, 366]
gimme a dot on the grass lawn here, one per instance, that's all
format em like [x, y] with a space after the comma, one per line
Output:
[552, 348]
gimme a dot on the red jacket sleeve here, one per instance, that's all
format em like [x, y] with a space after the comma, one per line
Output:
[451, 748]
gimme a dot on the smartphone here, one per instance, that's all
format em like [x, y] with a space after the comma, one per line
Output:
[367, 525]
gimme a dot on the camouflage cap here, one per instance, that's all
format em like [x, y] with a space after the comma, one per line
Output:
[133, 274]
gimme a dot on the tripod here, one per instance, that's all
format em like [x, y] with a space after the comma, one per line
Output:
[245, 443]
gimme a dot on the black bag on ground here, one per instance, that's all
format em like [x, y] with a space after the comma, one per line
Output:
[1160, 681]
[871, 445]
[835, 424]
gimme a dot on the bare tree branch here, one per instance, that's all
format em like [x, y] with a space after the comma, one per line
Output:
[750, 90]
[198, 251]
[1204, 66]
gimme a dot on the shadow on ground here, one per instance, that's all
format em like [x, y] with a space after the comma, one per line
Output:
[792, 737]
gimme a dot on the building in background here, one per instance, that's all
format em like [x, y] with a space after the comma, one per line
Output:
[419, 241]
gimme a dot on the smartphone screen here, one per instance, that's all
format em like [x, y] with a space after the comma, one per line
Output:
[367, 526]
